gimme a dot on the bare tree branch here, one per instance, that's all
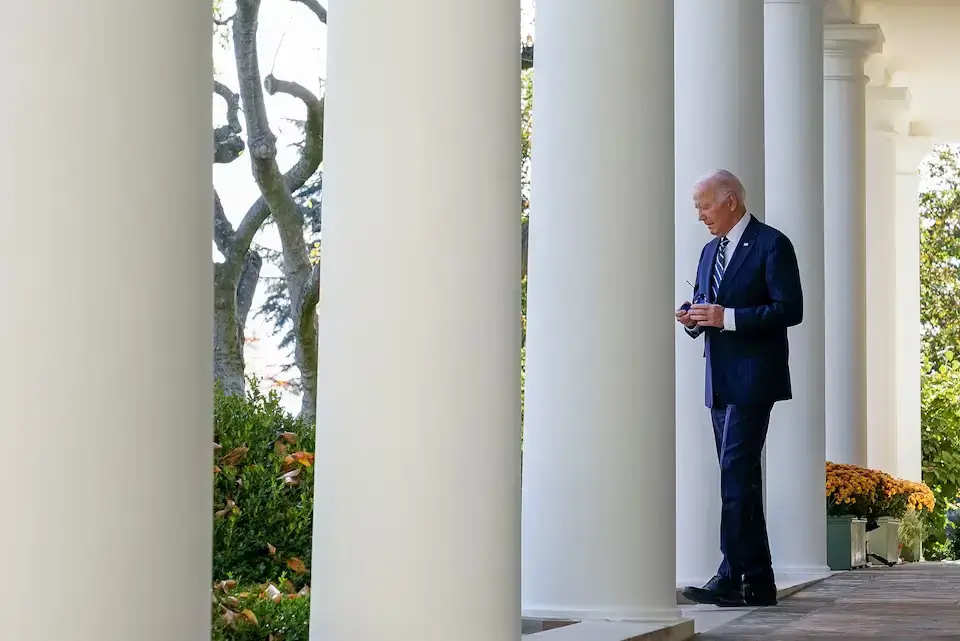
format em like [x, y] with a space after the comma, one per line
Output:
[249, 277]
[227, 143]
[311, 291]
[316, 7]
[233, 105]
[222, 229]
[275, 187]
[223, 22]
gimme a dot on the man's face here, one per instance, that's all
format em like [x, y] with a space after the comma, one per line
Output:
[717, 214]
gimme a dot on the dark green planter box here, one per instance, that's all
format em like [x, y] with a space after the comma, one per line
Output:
[845, 542]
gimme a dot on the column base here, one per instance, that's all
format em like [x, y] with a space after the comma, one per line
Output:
[678, 630]
[638, 614]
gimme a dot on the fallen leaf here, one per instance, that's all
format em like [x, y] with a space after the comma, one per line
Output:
[304, 458]
[271, 550]
[243, 595]
[289, 437]
[297, 565]
[273, 593]
[251, 617]
[304, 592]
[288, 586]
[230, 507]
[217, 447]
[228, 616]
[234, 456]
[216, 469]
[232, 601]
[280, 448]
[290, 478]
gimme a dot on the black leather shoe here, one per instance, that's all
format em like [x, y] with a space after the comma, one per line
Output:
[760, 595]
[717, 591]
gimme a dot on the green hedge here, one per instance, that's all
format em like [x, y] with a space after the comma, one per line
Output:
[263, 519]
[254, 616]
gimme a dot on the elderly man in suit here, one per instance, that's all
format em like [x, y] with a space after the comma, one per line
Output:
[747, 294]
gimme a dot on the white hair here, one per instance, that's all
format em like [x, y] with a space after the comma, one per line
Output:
[724, 184]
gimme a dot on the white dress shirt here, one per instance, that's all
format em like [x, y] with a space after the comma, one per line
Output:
[734, 235]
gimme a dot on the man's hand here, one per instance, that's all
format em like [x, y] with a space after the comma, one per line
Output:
[683, 316]
[707, 315]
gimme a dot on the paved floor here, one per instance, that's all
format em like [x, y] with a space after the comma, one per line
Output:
[906, 603]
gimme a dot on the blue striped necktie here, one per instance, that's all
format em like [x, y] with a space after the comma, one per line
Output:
[718, 266]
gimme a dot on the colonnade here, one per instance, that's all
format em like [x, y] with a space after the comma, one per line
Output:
[419, 526]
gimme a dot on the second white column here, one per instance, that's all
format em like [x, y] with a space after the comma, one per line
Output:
[796, 515]
[417, 527]
[719, 121]
[598, 468]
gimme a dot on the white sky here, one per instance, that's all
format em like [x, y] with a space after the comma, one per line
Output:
[292, 43]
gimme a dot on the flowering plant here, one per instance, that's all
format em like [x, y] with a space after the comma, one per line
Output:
[870, 494]
[852, 490]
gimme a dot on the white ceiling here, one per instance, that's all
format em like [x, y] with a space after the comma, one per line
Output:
[921, 53]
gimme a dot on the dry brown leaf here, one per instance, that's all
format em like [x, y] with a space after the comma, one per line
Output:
[289, 437]
[290, 478]
[229, 616]
[217, 447]
[232, 601]
[273, 593]
[297, 565]
[271, 550]
[234, 456]
[243, 595]
[288, 586]
[280, 448]
[304, 592]
[304, 458]
[230, 507]
[251, 617]
[216, 469]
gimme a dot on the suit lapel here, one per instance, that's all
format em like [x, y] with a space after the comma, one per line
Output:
[746, 245]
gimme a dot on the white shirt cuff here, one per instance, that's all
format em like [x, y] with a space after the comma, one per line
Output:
[729, 320]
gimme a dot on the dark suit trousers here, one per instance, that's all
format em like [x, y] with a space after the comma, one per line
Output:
[740, 432]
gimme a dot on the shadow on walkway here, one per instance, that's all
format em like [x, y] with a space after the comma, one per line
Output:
[905, 603]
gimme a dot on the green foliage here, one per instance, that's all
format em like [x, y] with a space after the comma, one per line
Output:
[940, 370]
[262, 490]
[940, 256]
[287, 619]
[940, 439]
[911, 535]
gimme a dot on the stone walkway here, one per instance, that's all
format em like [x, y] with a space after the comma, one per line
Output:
[905, 603]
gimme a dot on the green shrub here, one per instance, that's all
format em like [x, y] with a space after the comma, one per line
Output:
[252, 616]
[262, 491]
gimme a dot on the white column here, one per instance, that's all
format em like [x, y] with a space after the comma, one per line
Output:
[887, 116]
[793, 96]
[719, 121]
[106, 412]
[845, 49]
[598, 468]
[881, 284]
[910, 152]
[418, 457]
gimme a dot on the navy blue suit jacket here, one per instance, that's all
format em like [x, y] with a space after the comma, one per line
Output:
[750, 366]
